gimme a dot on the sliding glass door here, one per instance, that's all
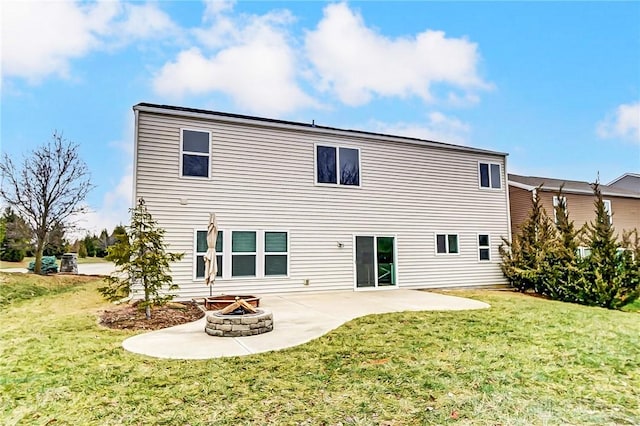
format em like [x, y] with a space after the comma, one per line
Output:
[375, 261]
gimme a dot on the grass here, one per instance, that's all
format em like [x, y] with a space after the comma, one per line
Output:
[632, 307]
[25, 262]
[524, 361]
[18, 287]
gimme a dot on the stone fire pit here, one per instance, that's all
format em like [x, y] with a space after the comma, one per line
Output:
[225, 325]
[239, 318]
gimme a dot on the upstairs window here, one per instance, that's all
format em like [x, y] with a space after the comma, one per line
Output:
[194, 153]
[489, 174]
[337, 165]
[447, 244]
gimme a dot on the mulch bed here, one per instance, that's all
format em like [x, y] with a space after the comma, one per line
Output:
[132, 317]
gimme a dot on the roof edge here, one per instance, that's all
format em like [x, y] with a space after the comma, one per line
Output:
[239, 118]
[571, 191]
[624, 176]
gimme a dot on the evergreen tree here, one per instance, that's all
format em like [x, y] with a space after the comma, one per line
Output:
[141, 262]
[526, 260]
[565, 270]
[102, 244]
[90, 245]
[604, 279]
[82, 250]
[16, 240]
[56, 244]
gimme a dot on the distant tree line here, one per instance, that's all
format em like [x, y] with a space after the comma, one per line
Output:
[17, 242]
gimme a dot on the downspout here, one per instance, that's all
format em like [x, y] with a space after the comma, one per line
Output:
[506, 175]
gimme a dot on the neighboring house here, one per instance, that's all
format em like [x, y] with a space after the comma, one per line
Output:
[623, 205]
[630, 181]
[302, 207]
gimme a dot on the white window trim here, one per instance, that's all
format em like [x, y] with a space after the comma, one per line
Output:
[259, 253]
[556, 202]
[482, 247]
[446, 243]
[182, 129]
[274, 253]
[490, 188]
[607, 207]
[337, 147]
[197, 253]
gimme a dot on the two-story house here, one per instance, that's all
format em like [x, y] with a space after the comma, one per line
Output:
[623, 205]
[302, 207]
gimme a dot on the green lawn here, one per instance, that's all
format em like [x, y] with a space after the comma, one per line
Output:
[524, 361]
[25, 262]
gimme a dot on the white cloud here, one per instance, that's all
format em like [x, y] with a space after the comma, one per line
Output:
[438, 127]
[42, 38]
[214, 8]
[256, 66]
[624, 123]
[144, 21]
[356, 62]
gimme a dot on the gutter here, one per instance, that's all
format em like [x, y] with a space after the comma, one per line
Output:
[570, 191]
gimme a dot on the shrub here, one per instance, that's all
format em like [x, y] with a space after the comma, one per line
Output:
[82, 250]
[607, 273]
[542, 258]
[11, 254]
[527, 261]
[49, 265]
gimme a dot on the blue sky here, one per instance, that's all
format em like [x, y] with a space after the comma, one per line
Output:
[556, 85]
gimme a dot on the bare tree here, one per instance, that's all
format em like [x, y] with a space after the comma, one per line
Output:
[47, 188]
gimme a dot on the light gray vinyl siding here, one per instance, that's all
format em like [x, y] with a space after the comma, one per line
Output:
[262, 178]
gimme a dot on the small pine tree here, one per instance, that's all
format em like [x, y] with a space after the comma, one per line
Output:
[141, 261]
[526, 260]
[565, 266]
[82, 250]
[603, 282]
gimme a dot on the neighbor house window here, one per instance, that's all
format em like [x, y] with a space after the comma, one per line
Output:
[556, 202]
[337, 165]
[201, 250]
[243, 253]
[583, 252]
[194, 153]
[447, 243]
[607, 208]
[484, 248]
[489, 174]
[276, 253]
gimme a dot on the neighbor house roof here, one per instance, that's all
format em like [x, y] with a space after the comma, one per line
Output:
[626, 175]
[247, 119]
[568, 186]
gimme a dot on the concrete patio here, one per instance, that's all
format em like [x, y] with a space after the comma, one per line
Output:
[297, 318]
